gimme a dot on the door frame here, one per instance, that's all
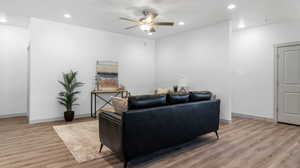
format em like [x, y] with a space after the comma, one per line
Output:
[276, 82]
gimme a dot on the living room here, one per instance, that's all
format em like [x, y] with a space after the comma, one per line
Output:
[227, 59]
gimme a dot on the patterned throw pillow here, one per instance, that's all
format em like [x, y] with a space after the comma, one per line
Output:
[120, 104]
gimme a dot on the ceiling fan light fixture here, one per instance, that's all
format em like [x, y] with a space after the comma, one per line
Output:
[145, 27]
[181, 23]
[147, 23]
[148, 20]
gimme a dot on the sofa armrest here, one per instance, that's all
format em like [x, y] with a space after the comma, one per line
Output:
[111, 116]
[110, 131]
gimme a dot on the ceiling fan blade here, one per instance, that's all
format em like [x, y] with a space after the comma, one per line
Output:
[131, 27]
[164, 23]
[127, 19]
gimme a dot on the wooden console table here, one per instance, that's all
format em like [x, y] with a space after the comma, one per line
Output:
[107, 101]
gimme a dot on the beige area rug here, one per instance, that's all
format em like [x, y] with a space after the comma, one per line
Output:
[82, 140]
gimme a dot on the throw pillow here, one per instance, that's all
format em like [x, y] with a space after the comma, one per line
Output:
[119, 104]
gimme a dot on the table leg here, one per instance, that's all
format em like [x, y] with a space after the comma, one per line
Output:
[95, 105]
[91, 104]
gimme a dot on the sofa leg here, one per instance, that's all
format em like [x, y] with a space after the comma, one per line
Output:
[100, 148]
[217, 134]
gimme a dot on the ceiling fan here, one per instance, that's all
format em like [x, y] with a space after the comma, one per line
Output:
[147, 23]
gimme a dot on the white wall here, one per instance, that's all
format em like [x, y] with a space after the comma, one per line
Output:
[238, 66]
[13, 70]
[57, 48]
[253, 66]
[202, 57]
[211, 58]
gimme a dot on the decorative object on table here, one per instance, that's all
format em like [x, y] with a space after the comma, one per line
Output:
[183, 90]
[183, 85]
[175, 88]
[162, 91]
[107, 75]
[122, 87]
[68, 97]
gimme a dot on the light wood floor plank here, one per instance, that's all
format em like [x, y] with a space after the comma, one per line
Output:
[246, 143]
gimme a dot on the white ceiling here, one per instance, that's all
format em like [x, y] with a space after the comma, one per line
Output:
[104, 14]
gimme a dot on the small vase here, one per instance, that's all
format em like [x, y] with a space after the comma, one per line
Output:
[175, 88]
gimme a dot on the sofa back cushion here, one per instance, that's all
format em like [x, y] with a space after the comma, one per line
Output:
[176, 98]
[200, 96]
[146, 101]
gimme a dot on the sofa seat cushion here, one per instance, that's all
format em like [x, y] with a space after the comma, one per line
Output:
[200, 96]
[176, 98]
[146, 101]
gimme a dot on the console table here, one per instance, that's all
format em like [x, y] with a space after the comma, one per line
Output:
[107, 101]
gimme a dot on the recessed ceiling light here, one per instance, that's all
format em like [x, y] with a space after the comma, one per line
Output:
[150, 34]
[3, 20]
[231, 6]
[241, 25]
[181, 23]
[67, 15]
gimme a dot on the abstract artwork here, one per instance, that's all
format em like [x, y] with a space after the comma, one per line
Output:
[107, 75]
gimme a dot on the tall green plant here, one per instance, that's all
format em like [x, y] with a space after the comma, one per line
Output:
[68, 97]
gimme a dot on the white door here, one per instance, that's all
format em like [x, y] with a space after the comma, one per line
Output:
[289, 85]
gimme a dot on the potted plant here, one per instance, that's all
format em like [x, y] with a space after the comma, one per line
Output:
[68, 97]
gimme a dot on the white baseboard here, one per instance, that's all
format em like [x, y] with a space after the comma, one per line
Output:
[13, 115]
[252, 117]
[57, 119]
[223, 121]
